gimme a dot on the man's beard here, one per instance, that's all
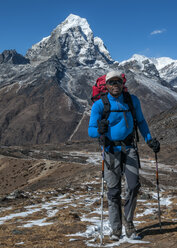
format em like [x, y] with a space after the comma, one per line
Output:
[116, 94]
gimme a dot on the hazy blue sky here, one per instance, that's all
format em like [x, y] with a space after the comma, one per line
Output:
[147, 27]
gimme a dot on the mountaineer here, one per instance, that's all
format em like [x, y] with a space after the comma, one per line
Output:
[114, 120]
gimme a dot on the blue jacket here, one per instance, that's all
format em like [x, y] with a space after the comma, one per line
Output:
[118, 129]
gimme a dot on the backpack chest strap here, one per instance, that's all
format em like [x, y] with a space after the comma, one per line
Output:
[120, 110]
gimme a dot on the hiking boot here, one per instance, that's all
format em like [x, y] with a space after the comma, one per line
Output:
[130, 229]
[116, 235]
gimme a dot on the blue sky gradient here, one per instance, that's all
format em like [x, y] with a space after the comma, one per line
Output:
[147, 27]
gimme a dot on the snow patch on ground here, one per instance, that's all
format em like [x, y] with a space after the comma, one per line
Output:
[40, 222]
[51, 207]
[93, 231]
[60, 200]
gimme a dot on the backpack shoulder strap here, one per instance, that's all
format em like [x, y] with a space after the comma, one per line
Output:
[129, 102]
[106, 103]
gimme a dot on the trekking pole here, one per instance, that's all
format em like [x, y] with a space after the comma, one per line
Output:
[158, 197]
[102, 197]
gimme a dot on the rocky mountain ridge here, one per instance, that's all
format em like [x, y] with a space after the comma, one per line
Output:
[164, 67]
[45, 96]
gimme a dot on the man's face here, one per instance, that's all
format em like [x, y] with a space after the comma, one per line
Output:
[114, 86]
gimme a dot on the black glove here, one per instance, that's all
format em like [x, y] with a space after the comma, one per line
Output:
[154, 145]
[104, 141]
[103, 126]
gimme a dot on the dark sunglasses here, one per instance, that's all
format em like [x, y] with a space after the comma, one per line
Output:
[114, 82]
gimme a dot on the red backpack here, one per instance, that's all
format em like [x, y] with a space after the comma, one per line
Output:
[100, 87]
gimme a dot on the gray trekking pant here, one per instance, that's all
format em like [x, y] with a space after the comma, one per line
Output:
[118, 164]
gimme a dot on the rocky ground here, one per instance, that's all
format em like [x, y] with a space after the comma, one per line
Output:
[50, 197]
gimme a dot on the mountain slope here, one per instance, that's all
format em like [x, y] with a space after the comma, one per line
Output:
[165, 126]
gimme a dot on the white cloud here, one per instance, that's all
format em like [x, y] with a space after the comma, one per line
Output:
[160, 31]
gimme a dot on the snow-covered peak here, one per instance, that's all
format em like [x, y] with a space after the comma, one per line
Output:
[158, 62]
[162, 62]
[141, 64]
[73, 21]
[73, 42]
[139, 61]
[99, 43]
[167, 68]
[41, 43]
[138, 57]
[163, 67]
